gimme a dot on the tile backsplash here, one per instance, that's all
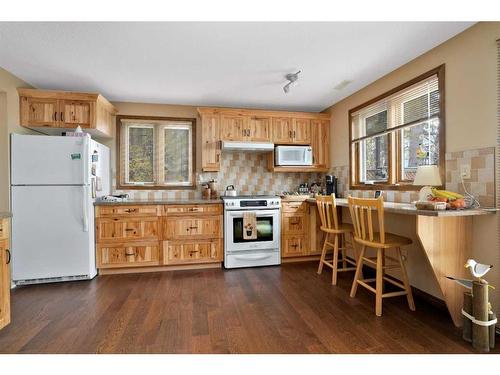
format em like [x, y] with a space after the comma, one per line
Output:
[248, 173]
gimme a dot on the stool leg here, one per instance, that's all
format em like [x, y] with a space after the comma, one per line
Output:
[335, 259]
[323, 255]
[344, 252]
[359, 267]
[409, 295]
[379, 283]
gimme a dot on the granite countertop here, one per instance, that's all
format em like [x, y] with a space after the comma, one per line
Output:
[160, 201]
[409, 209]
[4, 214]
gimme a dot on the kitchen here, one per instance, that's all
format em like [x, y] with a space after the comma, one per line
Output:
[214, 208]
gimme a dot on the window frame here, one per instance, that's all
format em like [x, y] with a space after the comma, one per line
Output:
[394, 180]
[122, 173]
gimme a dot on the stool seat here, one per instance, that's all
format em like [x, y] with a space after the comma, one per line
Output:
[342, 228]
[391, 240]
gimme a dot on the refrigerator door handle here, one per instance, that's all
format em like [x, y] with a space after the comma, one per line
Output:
[85, 159]
[85, 204]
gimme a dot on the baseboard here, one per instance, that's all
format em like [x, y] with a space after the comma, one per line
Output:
[300, 259]
[118, 271]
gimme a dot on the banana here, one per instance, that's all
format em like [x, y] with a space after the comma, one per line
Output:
[446, 194]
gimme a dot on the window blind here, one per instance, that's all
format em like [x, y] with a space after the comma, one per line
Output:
[411, 106]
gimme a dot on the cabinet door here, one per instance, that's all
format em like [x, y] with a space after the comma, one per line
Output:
[119, 229]
[4, 284]
[320, 141]
[185, 252]
[134, 254]
[259, 129]
[282, 130]
[294, 246]
[39, 112]
[233, 128]
[301, 131]
[294, 223]
[76, 112]
[210, 143]
[192, 227]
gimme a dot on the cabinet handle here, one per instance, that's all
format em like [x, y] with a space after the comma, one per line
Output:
[62, 117]
[55, 116]
[193, 227]
[8, 256]
[294, 134]
[129, 229]
[129, 210]
[193, 209]
[294, 245]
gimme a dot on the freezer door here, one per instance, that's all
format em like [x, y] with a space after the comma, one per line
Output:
[52, 232]
[49, 160]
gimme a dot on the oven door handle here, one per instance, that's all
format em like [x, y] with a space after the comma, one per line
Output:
[252, 257]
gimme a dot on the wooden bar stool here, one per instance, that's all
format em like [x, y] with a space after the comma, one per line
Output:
[327, 209]
[364, 235]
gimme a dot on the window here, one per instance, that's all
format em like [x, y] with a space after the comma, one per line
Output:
[155, 153]
[391, 135]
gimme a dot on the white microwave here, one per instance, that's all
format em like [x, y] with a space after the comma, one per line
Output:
[293, 155]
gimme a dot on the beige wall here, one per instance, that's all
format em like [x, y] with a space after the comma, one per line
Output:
[471, 118]
[9, 123]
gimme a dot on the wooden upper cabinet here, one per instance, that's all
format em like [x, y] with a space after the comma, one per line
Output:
[259, 129]
[233, 127]
[210, 143]
[282, 130]
[320, 141]
[39, 111]
[76, 112]
[301, 131]
[52, 111]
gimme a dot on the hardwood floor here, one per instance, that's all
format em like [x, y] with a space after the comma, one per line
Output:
[287, 309]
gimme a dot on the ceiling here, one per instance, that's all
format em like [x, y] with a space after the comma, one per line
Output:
[216, 64]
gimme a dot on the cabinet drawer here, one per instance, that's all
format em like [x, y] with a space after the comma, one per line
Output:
[196, 209]
[293, 246]
[298, 206]
[4, 228]
[137, 254]
[294, 223]
[189, 227]
[119, 229]
[176, 252]
[126, 211]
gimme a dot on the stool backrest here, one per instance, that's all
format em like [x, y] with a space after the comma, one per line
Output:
[327, 209]
[362, 218]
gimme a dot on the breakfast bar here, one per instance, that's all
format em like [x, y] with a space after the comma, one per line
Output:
[446, 239]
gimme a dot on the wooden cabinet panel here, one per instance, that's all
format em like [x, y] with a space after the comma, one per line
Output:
[4, 229]
[120, 229]
[175, 252]
[127, 211]
[210, 143]
[198, 209]
[301, 132]
[259, 129]
[4, 283]
[298, 206]
[282, 130]
[194, 227]
[76, 112]
[294, 223]
[137, 254]
[320, 141]
[294, 246]
[233, 127]
[39, 112]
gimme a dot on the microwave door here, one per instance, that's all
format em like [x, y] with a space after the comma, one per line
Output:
[292, 156]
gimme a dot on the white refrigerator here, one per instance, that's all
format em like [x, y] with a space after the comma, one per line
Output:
[54, 182]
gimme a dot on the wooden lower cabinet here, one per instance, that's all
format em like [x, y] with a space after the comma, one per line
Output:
[138, 254]
[4, 274]
[182, 252]
[157, 236]
[294, 246]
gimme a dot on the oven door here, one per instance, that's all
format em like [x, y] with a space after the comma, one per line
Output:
[268, 231]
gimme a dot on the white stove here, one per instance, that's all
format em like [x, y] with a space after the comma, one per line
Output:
[261, 251]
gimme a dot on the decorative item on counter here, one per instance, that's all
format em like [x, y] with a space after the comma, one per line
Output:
[205, 191]
[113, 198]
[479, 321]
[304, 188]
[212, 184]
[315, 188]
[230, 191]
[427, 176]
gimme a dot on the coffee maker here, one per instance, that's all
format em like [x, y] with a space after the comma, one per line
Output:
[331, 185]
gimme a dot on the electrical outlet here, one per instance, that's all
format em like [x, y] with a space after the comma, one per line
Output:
[465, 171]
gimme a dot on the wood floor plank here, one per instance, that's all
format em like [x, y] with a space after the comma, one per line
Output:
[286, 309]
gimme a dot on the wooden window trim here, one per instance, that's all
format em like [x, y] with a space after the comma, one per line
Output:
[394, 180]
[120, 186]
